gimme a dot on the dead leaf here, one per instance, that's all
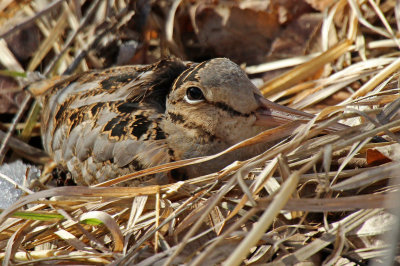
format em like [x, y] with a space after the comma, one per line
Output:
[298, 37]
[243, 33]
[383, 154]
[320, 5]
[10, 96]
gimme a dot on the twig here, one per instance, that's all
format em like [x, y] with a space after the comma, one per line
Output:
[34, 154]
[267, 217]
[225, 189]
[29, 20]
[71, 38]
[15, 121]
[17, 186]
[93, 44]
[128, 259]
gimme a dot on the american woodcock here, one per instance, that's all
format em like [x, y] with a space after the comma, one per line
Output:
[103, 124]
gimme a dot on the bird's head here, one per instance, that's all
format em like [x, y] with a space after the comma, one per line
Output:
[216, 100]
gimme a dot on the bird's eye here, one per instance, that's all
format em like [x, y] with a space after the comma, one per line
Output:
[194, 95]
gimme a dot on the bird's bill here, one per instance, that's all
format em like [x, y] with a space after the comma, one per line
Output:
[271, 114]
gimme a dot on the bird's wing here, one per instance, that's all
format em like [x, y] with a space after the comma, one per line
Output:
[102, 124]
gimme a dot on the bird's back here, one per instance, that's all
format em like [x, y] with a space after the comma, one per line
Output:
[102, 124]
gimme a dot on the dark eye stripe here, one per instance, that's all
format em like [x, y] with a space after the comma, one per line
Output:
[228, 109]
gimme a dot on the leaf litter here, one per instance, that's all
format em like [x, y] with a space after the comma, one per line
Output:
[327, 198]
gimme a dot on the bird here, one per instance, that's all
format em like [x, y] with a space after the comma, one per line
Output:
[102, 124]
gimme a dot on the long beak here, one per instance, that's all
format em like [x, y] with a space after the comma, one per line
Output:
[271, 114]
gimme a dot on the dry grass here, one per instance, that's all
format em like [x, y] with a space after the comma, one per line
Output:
[324, 198]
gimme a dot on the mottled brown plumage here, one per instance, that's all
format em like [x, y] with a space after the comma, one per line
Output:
[103, 124]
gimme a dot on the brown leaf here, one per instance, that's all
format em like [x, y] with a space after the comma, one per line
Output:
[24, 42]
[243, 33]
[383, 154]
[297, 38]
[320, 5]
[10, 96]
